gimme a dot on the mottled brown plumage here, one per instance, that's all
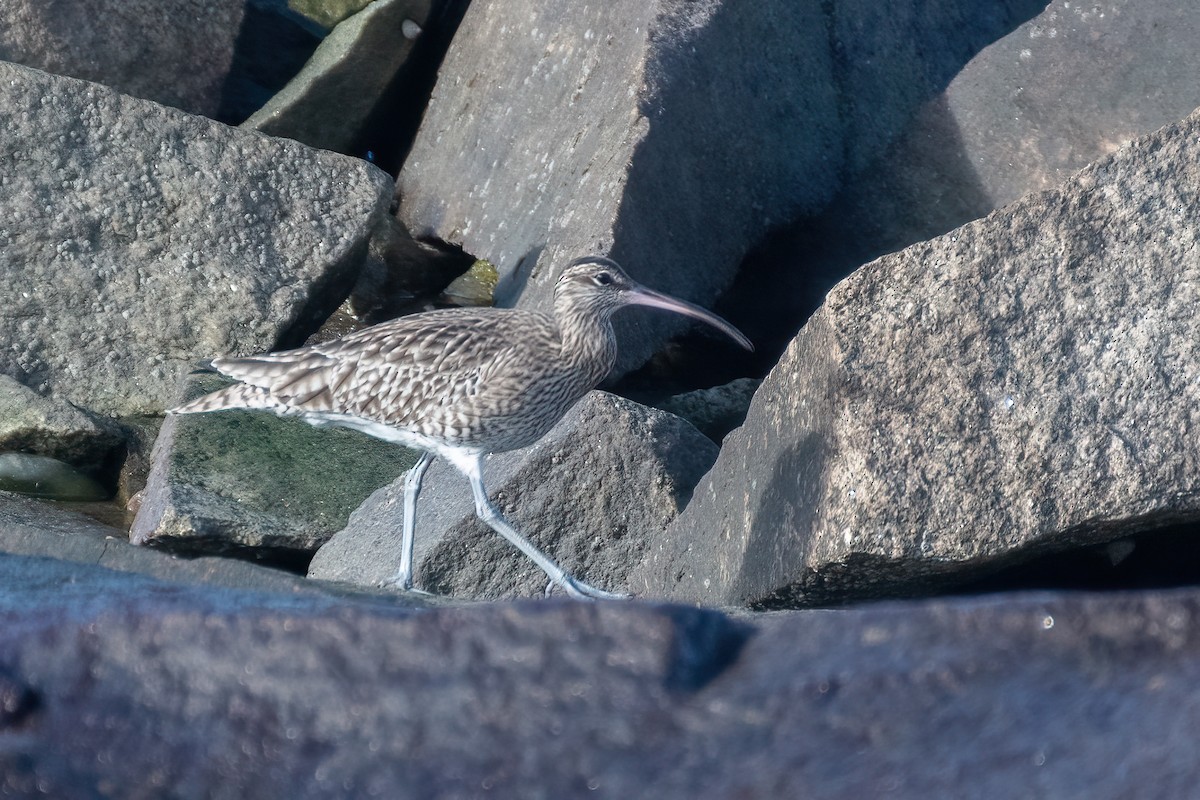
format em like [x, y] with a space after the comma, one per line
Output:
[457, 383]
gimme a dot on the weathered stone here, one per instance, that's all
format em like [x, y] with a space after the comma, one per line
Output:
[48, 478]
[140, 435]
[669, 135]
[1022, 384]
[135, 238]
[176, 52]
[401, 274]
[591, 494]
[238, 480]
[1017, 117]
[328, 12]
[29, 527]
[221, 59]
[250, 694]
[557, 130]
[1014, 120]
[273, 45]
[329, 102]
[31, 423]
[714, 411]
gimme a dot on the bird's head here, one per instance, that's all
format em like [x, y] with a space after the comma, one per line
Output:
[598, 285]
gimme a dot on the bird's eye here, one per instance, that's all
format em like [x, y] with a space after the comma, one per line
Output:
[602, 279]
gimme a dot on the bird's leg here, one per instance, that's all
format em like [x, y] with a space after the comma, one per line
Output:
[412, 488]
[472, 467]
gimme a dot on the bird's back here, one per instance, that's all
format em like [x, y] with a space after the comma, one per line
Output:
[489, 379]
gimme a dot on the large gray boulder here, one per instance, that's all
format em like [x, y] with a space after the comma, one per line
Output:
[1015, 121]
[116, 684]
[592, 494]
[671, 136]
[175, 52]
[135, 239]
[1019, 385]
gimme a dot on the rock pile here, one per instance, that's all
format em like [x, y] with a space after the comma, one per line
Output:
[974, 286]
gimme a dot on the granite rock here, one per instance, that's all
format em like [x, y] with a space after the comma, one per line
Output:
[136, 239]
[329, 102]
[1020, 385]
[1065, 88]
[58, 532]
[175, 52]
[31, 423]
[671, 136]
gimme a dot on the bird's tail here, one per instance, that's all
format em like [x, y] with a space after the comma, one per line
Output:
[237, 396]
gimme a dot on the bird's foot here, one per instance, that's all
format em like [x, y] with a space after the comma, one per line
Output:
[402, 583]
[582, 591]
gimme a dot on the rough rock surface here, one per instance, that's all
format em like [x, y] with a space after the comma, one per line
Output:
[714, 411]
[51, 531]
[236, 480]
[135, 238]
[1016, 119]
[592, 494]
[1013, 121]
[556, 130]
[1021, 384]
[327, 104]
[31, 423]
[1023, 124]
[641, 130]
[47, 478]
[328, 13]
[250, 694]
[176, 52]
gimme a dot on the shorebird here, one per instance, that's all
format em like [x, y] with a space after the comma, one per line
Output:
[457, 383]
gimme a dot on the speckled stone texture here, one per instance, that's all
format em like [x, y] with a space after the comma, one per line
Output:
[592, 494]
[135, 239]
[52, 532]
[620, 128]
[31, 423]
[1064, 89]
[1024, 383]
[175, 52]
[671, 136]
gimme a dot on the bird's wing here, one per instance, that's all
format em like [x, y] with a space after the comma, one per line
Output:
[418, 368]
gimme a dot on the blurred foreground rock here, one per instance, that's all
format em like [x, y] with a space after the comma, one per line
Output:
[117, 684]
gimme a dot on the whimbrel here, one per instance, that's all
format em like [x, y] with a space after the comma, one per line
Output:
[457, 383]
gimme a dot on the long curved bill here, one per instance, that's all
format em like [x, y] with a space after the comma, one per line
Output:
[641, 296]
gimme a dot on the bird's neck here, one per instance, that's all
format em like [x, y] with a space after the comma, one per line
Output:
[589, 345]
